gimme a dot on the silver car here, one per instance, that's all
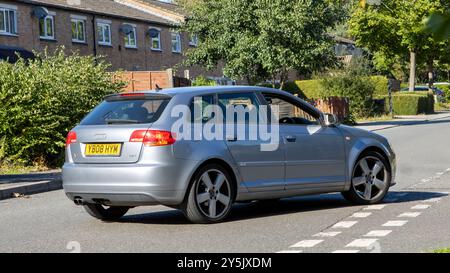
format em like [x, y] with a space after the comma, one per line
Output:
[126, 153]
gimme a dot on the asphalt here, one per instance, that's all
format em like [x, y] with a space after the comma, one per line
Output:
[48, 222]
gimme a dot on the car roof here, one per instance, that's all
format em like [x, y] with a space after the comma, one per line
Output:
[210, 90]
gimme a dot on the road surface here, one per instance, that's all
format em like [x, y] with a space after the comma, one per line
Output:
[414, 218]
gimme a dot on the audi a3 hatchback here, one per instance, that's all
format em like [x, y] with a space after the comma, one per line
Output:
[183, 149]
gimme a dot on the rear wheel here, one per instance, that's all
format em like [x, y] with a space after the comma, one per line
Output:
[105, 213]
[211, 195]
[371, 179]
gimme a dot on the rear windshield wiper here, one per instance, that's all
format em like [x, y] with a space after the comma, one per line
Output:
[121, 121]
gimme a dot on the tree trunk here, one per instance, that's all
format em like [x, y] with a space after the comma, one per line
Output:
[412, 71]
[430, 73]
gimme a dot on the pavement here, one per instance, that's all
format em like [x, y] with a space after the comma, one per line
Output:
[22, 185]
[413, 218]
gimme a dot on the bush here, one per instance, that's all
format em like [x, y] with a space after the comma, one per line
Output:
[42, 99]
[411, 103]
[381, 85]
[203, 81]
[310, 89]
[446, 89]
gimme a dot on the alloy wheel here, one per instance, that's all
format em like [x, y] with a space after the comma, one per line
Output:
[370, 178]
[213, 194]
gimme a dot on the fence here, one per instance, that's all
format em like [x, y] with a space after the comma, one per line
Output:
[334, 105]
[150, 80]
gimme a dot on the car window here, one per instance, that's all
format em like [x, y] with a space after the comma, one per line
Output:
[126, 112]
[239, 101]
[290, 113]
[198, 108]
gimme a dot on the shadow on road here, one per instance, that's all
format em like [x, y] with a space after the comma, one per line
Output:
[259, 209]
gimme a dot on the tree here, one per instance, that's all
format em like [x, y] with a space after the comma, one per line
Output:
[260, 39]
[395, 28]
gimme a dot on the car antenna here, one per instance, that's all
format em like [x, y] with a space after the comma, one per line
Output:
[158, 88]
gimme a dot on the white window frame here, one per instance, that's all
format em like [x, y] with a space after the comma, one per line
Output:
[51, 16]
[193, 40]
[77, 19]
[6, 10]
[159, 48]
[135, 38]
[176, 38]
[103, 24]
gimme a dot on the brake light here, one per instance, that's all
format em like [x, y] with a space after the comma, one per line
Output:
[153, 137]
[71, 138]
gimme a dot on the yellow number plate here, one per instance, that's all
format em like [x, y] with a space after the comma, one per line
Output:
[103, 149]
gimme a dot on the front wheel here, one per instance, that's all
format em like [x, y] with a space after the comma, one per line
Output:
[105, 213]
[371, 179]
[211, 195]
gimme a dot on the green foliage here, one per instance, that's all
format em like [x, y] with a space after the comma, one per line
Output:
[203, 81]
[260, 39]
[439, 24]
[411, 103]
[381, 85]
[311, 89]
[40, 101]
[446, 89]
[394, 28]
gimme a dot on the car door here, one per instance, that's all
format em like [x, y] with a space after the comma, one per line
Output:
[261, 170]
[315, 155]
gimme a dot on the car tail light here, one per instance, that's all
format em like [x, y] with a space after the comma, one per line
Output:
[153, 137]
[71, 138]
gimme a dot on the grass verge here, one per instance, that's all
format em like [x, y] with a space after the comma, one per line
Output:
[9, 169]
[443, 250]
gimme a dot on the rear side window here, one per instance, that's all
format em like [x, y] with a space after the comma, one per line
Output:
[126, 112]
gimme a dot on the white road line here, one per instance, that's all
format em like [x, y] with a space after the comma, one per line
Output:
[375, 207]
[327, 234]
[439, 174]
[361, 214]
[362, 243]
[378, 233]
[395, 223]
[421, 207]
[425, 180]
[432, 200]
[346, 251]
[448, 170]
[307, 243]
[290, 251]
[410, 214]
[345, 224]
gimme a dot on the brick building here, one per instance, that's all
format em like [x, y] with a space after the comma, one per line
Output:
[134, 35]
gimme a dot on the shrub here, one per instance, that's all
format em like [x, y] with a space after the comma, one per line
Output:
[310, 89]
[446, 89]
[381, 85]
[411, 103]
[41, 100]
[203, 81]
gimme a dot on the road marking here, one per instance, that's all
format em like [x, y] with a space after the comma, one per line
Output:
[439, 174]
[421, 207]
[432, 200]
[361, 214]
[327, 234]
[425, 180]
[307, 243]
[378, 233]
[362, 243]
[375, 207]
[410, 214]
[395, 223]
[290, 251]
[346, 251]
[345, 224]
[448, 170]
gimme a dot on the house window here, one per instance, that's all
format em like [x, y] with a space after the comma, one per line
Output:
[193, 40]
[176, 42]
[78, 30]
[130, 38]
[155, 39]
[8, 20]
[104, 33]
[47, 27]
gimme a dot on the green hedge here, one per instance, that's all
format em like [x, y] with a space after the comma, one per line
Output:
[312, 89]
[40, 101]
[446, 89]
[411, 103]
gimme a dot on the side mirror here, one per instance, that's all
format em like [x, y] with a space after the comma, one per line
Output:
[329, 120]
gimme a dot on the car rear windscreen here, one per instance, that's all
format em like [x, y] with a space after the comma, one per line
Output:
[139, 111]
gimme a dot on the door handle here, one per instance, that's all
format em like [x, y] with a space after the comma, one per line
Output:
[231, 138]
[291, 138]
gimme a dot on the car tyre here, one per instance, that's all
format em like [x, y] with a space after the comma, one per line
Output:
[211, 195]
[106, 214]
[371, 179]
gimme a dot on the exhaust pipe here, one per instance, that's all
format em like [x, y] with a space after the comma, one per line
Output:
[78, 201]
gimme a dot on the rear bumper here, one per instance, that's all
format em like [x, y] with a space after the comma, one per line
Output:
[128, 184]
